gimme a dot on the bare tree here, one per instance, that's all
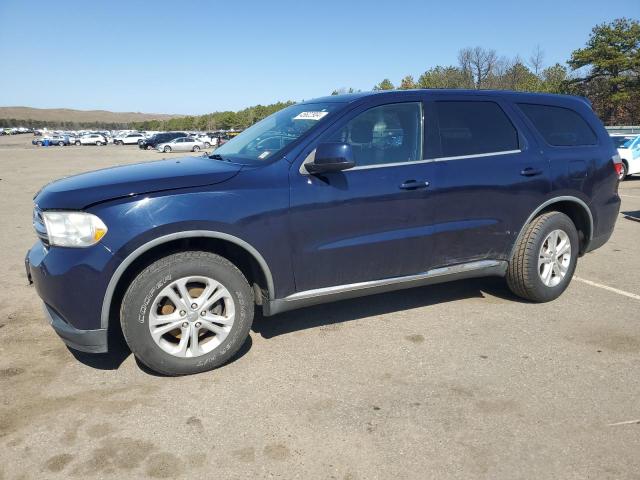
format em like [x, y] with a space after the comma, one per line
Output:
[480, 62]
[536, 60]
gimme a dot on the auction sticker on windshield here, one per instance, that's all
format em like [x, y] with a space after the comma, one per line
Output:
[310, 115]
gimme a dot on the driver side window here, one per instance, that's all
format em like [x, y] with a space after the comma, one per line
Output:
[386, 134]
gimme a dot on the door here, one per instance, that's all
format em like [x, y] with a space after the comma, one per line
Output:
[489, 179]
[368, 222]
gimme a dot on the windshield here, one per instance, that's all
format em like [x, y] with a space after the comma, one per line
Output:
[629, 142]
[267, 137]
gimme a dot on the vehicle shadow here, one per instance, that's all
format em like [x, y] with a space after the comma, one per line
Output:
[380, 304]
[632, 215]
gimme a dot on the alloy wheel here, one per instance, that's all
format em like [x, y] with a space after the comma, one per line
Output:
[191, 316]
[554, 258]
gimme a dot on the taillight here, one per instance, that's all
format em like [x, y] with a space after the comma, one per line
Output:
[618, 167]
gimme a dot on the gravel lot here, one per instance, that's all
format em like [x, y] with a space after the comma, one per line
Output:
[458, 380]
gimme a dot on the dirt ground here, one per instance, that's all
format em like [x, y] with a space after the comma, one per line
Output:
[453, 381]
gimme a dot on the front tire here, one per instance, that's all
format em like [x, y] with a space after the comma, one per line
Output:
[545, 258]
[78, 143]
[167, 149]
[196, 148]
[187, 313]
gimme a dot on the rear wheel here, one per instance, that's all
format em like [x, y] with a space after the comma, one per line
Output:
[39, 143]
[187, 313]
[207, 145]
[167, 149]
[98, 143]
[149, 147]
[545, 258]
[61, 144]
[196, 148]
[78, 143]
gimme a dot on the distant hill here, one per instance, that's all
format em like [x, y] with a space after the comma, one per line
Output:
[55, 115]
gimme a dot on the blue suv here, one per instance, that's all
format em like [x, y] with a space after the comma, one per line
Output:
[327, 199]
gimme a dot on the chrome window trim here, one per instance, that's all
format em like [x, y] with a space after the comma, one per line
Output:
[311, 156]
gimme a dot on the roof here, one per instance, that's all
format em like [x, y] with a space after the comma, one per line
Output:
[351, 97]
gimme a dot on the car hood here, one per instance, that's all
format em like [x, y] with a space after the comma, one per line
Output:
[86, 189]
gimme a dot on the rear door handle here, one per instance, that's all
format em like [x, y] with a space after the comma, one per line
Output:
[530, 172]
[414, 185]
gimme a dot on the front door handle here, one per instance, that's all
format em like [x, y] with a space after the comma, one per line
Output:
[530, 172]
[414, 185]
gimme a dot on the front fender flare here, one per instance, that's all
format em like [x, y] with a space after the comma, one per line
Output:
[115, 278]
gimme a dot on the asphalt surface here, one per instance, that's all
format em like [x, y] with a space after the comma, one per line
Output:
[459, 380]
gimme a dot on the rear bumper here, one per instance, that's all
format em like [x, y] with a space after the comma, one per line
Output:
[92, 341]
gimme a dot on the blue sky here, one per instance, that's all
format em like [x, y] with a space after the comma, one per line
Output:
[195, 57]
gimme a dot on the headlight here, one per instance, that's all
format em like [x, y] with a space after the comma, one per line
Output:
[73, 229]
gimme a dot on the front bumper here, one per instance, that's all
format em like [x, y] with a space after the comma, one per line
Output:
[72, 283]
[92, 341]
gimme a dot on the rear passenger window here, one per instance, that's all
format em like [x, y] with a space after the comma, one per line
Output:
[560, 127]
[472, 128]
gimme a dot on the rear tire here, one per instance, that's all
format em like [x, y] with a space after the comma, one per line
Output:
[538, 271]
[196, 148]
[139, 305]
[78, 143]
[166, 149]
[61, 144]
[207, 145]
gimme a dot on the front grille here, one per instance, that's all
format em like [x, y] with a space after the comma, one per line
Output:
[39, 227]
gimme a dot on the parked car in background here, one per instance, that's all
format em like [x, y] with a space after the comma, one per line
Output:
[60, 140]
[374, 192]
[129, 139]
[629, 152]
[209, 139]
[92, 139]
[154, 141]
[182, 144]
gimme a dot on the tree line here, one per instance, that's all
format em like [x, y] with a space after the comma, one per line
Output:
[606, 71]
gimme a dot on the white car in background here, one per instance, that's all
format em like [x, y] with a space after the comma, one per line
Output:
[128, 139]
[92, 139]
[208, 140]
[629, 151]
[182, 144]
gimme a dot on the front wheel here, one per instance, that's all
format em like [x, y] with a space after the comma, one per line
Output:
[196, 148]
[61, 144]
[207, 145]
[187, 313]
[545, 258]
[78, 143]
[98, 143]
[167, 149]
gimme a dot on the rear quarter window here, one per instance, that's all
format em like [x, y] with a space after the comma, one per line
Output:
[559, 126]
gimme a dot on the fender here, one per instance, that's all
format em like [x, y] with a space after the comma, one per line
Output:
[544, 205]
[111, 287]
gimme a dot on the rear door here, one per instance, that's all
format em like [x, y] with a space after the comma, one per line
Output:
[370, 222]
[490, 177]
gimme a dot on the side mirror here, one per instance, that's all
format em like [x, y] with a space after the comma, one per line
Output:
[331, 157]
